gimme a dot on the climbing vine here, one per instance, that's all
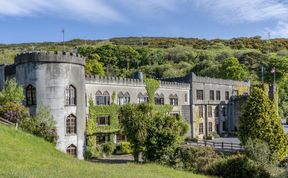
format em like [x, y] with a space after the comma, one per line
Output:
[151, 86]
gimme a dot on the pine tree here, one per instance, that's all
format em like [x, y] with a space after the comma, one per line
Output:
[260, 120]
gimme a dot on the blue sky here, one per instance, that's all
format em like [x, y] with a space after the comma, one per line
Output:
[42, 20]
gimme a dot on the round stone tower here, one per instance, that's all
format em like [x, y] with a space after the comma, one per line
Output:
[56, 80]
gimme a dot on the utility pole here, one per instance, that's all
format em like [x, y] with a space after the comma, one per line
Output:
[63, 33]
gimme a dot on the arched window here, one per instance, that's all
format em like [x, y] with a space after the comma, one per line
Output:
[142, 98]
[71, 126]
[30, 95]
[173, 100]
[72, 150]
[123, 98]
[70, 95]
[102, 99]
[159, 99]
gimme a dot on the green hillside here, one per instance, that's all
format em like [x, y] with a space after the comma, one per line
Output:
[23, 155]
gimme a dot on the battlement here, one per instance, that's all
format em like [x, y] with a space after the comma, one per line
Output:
[219, 81]
[191, 77]
[131, 82]
[49, 57]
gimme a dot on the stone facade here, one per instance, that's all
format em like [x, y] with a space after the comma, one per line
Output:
[207, 105]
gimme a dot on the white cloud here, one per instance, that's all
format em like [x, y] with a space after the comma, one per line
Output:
[151, 5]
[88, 10]
[245, 10]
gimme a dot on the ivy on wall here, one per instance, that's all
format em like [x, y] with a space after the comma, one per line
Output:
[242, 89]
[151, 86]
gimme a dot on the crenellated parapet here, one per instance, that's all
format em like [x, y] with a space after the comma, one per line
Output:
[49, 57]
[130, 82]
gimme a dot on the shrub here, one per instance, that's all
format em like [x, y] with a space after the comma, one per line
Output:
[238, 166]
[196, 159]
[13, 111]
[108, 148]
[93, 152]
[42, 125]
[124, 148]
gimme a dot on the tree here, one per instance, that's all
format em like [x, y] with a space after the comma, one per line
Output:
[165, 135]
[12, 93]
[135, 121]
[260, 121]
[232, 69]
[93, 66]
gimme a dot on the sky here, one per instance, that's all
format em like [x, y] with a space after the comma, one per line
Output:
[23, 21]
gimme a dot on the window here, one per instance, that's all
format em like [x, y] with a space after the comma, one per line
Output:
[103, 120]
[70, 96]
[186, 97]
[123, 98]
[217, 111]
[176, 115]
[224, 111]
[210, 127]
[201, 114]
[227, 95]
[30, 95]
[72, 150]
[210, 111]
[201, 128]
[173, 99]
[235, 93]
[120, 138]
[212, 97]
[199, 94]
[159, 99]
[142, 98]
[102, 99]
[102, 138]
[71, 124]
[218, 95]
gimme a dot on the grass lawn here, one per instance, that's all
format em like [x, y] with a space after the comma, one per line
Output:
[24, 155]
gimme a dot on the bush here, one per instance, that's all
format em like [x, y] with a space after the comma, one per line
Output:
[196, 159]
[93, 152]
[41, 125]
[124, 148]
[13, 111]
[238, 166]
[108, 148]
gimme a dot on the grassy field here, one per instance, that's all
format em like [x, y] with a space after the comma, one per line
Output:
[23, 155]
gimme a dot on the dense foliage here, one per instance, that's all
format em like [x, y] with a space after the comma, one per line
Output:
[42, 125]
[154, 134]
[260, 121]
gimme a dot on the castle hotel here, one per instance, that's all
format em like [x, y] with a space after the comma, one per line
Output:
[57, 80]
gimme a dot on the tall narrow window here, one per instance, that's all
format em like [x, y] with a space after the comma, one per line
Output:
[210, 111]
[159, 99]
[227, 97]
[212, 95]
[201, 130]
[201, 114]
[30, 95]
[70, 96]
[186, 97]
[71, 126]
[173, 99]
[72, 150]
[210, 127]
[218, 95]
[200, 94]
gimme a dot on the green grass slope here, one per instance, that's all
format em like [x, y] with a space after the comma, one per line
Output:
[24, 155]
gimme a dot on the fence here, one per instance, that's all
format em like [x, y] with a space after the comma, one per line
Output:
[6, 122]
[220, 146]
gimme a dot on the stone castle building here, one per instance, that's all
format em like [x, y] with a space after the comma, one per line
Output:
[57, 80]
